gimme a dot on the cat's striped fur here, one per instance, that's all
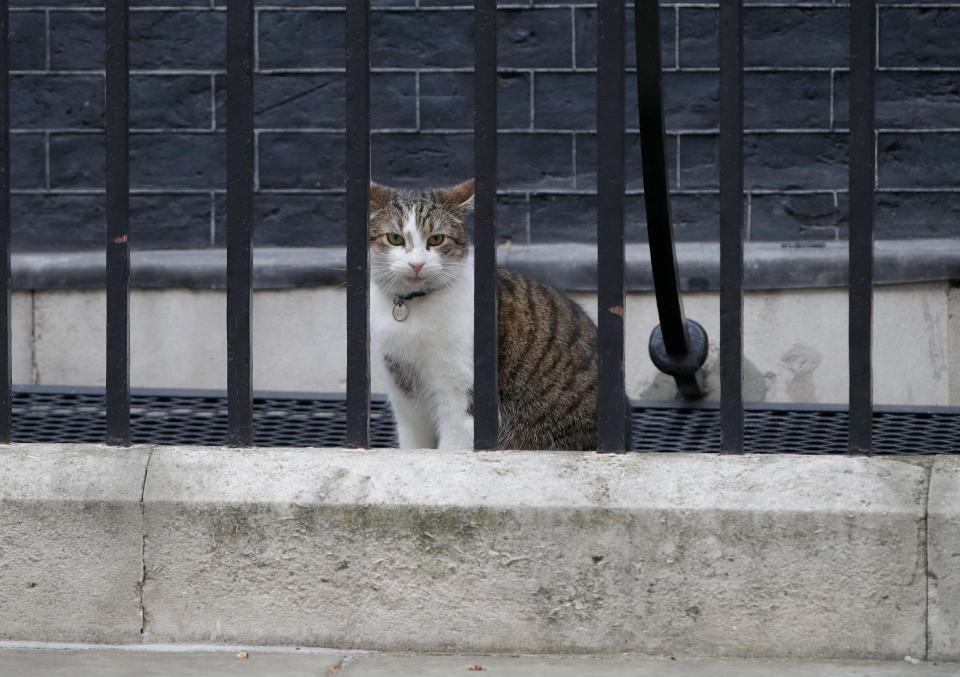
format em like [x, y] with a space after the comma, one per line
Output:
[547, 352]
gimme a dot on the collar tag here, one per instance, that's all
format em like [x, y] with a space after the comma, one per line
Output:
[400, 309]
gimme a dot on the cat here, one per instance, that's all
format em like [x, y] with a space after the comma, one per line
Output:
[421, 320]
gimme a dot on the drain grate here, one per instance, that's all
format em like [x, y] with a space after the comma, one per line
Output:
[300, 420]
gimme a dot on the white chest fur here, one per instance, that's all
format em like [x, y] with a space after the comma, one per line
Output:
[435, 346]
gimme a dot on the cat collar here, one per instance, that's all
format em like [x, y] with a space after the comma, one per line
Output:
[400, 310]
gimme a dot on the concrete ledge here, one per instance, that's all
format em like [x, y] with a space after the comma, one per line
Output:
[943, 523]
[70, 542]
[571, 266]
[771, 556]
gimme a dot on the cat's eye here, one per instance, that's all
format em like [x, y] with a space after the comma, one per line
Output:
[396, 239]
[436, 240]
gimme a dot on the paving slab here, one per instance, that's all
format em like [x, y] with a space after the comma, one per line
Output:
[258, 663]
[114, 663]
[578, 666]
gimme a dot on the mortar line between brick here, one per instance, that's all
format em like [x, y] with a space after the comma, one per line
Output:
[46, 36]
[528, 218]
[416, 100]
[213, 219]
[143, 561]
[213, 102]
[833, 77]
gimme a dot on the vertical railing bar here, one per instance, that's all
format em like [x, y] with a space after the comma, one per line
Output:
[611, 395]
[118, 222]
[6, 357]
[862, 170]
[655, 191]
[240, 156]
[485, 400]
[358, 187]
[731, 225]
[675, 341]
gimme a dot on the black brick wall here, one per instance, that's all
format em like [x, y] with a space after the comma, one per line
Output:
[796, 116]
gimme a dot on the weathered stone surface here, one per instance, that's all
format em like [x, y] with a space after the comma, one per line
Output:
[586, 161]
[585, 19]
[70, 542]
[44, 101]
[170, 102]
[687, 555]
[788, 37]
[185, 39]
[446, 101]
[904, 100]
[421, 39]
[301, 39]
[796, 217]
[422, 55]
[943, 569]
[922, 36]
[168, 161]
[301, 160]
[27, 160]
[56, 222]
[26, 51]
[917, 160]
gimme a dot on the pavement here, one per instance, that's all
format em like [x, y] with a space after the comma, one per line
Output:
[76, 661]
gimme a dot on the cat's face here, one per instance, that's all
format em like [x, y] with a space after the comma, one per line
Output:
[417, 238]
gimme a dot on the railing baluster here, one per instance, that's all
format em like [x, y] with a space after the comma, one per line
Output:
[118, 223]
[862, 165]
[485, 400]
[240, 153]
[611, 395]
[677, 346]
[6, 358]
[731, 225]
[358, 187]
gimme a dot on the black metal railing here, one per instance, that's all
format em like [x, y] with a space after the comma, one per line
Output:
[117, 124]
[862, 165]
[486, 396]
[678, 346]
[731, 226]
[611, 393]
[6, 333]
[358, 187]
[240, 167]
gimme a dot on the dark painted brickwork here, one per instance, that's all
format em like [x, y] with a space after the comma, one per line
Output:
[796, 116]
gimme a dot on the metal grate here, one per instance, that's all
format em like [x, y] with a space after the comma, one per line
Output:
[796, 429]
[301, 420]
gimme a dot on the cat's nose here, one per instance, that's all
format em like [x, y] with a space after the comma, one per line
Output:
[417, 267]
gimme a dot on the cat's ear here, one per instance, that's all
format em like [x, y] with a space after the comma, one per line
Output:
[379, 195]
[459, 198]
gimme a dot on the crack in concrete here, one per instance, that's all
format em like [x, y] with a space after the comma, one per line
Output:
[34, 365]
[926, 562]
[345, 660]
[143, 543]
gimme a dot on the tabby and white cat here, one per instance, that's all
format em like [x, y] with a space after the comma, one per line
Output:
[421, 319]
